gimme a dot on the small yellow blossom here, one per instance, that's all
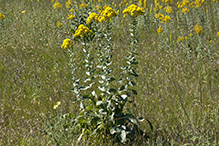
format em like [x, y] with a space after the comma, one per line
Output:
[83, 5]
[59, 24]
[57, 5]
[180, 39]
[81, 31]
[107, 13]
[198, 28]
[66, 43]
[71, 10]
[24, 12]
[133, 11]
[218, 33]
[70, 16]
[92, 17]
[68, 4]
[185, 10]
[168, 9]
[56, 105]
[2, 16]
[159, 30]
[190, 34]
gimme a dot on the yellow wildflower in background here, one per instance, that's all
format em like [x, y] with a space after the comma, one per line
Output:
[108, 12]
[133, 11]
[168, 9]
[83, 5]
[24, 12]
[70, 16]
[198, 28]
[68, 4]
[82, 30]
[66, 43]
[59, 24]
[98, 8]
[159, 30]
[218, 33]
[57, 5]
[92, 17]
[185, 10]
[180, 39]
[2, 16]
[56, 105]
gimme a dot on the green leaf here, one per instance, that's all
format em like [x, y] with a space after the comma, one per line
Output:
[134, 92]
[112, 90]
[123, 136]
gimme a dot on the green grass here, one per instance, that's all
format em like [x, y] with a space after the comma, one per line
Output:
[177, 93]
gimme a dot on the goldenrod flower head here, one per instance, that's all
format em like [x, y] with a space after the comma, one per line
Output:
[82, 31]
[24, 12]
[145, 3]
[159, 15]
[190, 34]
[218, 33]
[159, 30]
[71, 10]
[185, 10]
[133, 11]
[68, 4]
[70, 16]
[83, 5]
[168, 9]
[92, 17]
[180, 39]
[98, 8]
[163, 18]
[59, 24]
[57, 5]
[198, 28]
[2, 16]
[56, 105]
[66, 43]
[108, 12]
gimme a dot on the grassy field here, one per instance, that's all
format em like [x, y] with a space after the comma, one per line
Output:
[178, 83]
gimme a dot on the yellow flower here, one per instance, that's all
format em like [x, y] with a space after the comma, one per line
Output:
[198, 28]
[108, 12]
[2, 16]
[168, 9]
[190, 34]
[92, 17]
[98, 8]
[68, 4]
[57, 5]
[180, 39]
[82, 30]
[218, 33]
[133, 11]
[159, 30]
[70, 16]
[66, 43]
[185, 10]
[83, 5]
[71, 10]
[56, 105]
[24, 12]
[59, 24]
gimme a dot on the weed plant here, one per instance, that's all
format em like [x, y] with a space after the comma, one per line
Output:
[174, 70]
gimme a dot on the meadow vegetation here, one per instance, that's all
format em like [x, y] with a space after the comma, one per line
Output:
[171, 52]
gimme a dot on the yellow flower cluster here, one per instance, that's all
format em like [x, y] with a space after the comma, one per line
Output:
[163, 18]
[68, 4]
[218, 33]
[82, 30]
[157, 6]
[185, 10]
[2, 16]
[83, 5]
[198, 28]
[59, 24]
[159, 30]
[70, 16]
[133, 11]
[57, 5]
[184, 3]
[168, 9]
[98, 8]
[180, 38]
[167, 1]
[198, 3]
[92, 17]
[66, 43]
[108, 12]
